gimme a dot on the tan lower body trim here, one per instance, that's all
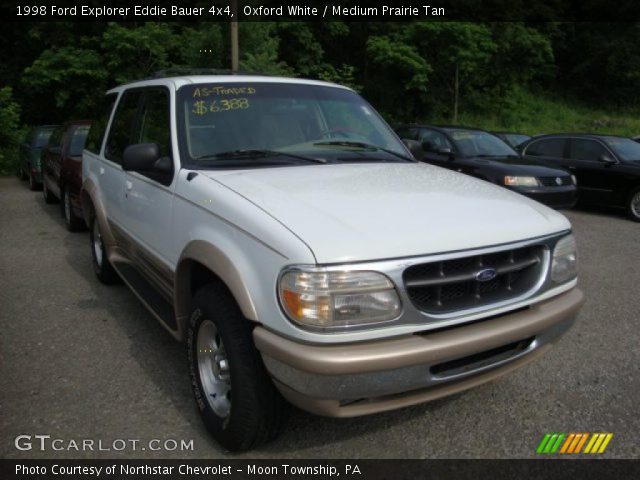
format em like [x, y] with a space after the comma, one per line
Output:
[429, 348]
[332, 408]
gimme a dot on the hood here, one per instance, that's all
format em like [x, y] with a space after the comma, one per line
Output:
[357, 212]
[520, 166]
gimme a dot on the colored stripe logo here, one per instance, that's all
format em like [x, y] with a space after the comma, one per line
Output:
[563, 443]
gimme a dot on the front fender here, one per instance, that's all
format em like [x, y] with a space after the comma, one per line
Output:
[215, 260]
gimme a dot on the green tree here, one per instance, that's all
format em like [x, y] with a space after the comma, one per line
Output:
[403, 74]
[259, 44]
[459, 54]
[11, 132]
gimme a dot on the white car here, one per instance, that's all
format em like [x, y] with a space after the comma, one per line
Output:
[282, 230]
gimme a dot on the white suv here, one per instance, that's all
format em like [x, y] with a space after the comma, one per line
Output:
[281, 229]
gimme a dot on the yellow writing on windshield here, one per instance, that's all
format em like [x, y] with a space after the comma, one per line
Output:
[202, 107]
[208, 91]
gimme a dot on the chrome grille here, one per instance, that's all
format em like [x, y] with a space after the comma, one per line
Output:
[552, 181]
[451, 285]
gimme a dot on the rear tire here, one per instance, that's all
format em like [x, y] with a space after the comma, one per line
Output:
[48, 196]
[101, 265]
[633, 205]
[73, 223]
[237, 400]
[33, 185]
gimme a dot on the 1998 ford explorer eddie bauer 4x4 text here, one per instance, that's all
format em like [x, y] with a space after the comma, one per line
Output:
[282, 230]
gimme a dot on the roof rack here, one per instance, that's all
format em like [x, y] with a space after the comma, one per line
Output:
[182, 71]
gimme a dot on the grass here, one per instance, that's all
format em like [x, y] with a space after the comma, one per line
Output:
[534, 114]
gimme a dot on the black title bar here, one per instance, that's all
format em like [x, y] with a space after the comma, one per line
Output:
[317, 10]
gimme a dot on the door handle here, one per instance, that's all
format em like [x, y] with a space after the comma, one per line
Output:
[128, 185]
[101, 170]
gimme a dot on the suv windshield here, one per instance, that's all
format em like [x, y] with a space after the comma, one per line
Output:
[280, 122]
[626, 148]
[475, 143]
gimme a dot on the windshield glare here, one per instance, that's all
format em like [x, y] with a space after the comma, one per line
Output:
[625, 148]
[292, 118]
[472, 143]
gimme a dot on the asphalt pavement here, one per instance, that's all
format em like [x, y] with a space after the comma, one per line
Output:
[83, 361]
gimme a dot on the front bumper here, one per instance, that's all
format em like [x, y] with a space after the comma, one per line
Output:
[361, 378]
[555, 197]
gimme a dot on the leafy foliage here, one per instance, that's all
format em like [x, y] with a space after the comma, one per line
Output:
[481, 73]
[10, 131]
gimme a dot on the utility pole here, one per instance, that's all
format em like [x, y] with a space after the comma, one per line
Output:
[235, 50]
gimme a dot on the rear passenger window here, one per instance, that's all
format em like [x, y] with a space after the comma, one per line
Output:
[587, 150]
[122, 127]
[99, 125]
[78, 138]
[553, 147]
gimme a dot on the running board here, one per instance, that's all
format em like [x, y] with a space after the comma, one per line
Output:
[148, 295]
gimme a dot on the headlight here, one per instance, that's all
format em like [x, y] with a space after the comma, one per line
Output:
[320, 298]
[521, 181]
[564, 263]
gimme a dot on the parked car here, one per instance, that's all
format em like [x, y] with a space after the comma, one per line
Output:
[30, 149]
[483, 155]
[607, 167]
[62, 171]
[512, 139]
[281, 229]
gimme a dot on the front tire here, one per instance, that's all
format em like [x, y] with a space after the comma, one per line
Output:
[101, 265]
[238, 403]
[73, 223]
[633, 205]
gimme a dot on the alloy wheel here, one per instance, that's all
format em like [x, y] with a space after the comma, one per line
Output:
[97, 242]
[213, 367]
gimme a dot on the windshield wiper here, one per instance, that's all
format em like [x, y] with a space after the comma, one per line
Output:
[349, 143]
[250, 154]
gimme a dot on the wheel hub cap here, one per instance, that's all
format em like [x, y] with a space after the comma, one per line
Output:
[213, 367]
[635, 205]
[97, 242]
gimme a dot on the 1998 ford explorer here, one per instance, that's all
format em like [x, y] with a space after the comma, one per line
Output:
[281, 229]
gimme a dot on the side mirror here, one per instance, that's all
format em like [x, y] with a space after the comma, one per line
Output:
[607, 160]
[444, 151]
[141, 157]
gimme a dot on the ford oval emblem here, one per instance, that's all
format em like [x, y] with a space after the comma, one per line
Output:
[486, 275]
[558, 180]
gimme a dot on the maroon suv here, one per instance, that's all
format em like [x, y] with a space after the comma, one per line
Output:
[62, 170]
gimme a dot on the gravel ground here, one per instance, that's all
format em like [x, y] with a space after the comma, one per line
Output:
[79, 360]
